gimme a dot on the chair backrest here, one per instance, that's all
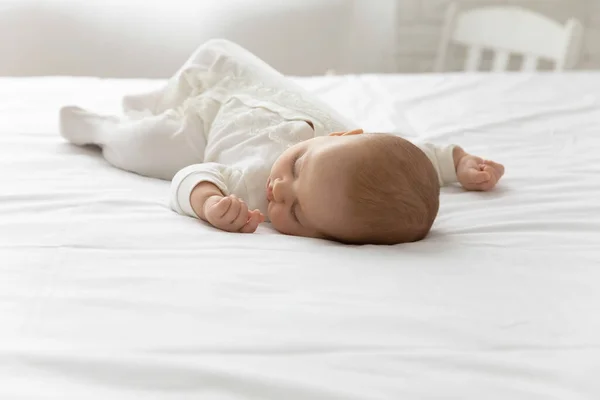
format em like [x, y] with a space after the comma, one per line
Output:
[510, 30]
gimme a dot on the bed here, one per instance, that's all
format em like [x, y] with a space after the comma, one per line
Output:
[107, 294]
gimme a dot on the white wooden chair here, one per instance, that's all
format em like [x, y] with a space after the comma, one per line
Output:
[509, 30]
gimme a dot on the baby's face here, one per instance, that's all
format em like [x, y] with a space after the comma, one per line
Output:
[306, 187]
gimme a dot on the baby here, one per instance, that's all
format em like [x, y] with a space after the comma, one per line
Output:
[242, 144]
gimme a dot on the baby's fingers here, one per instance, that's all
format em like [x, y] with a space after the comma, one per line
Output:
[232, 213]
[242, 216]
[488, 183]
[498, 168]
[261, 217]
[477, 177]
[252, 223]
[221, 207]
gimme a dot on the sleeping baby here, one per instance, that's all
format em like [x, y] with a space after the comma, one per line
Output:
[242, 144]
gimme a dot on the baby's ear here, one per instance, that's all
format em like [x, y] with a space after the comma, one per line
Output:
[347, 133]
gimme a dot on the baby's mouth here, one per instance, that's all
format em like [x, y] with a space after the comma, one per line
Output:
[269, 191]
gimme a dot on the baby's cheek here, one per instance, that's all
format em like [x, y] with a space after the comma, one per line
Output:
[278, 221]
[273, 216]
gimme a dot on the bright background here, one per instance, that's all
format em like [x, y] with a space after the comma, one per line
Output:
[151, 38]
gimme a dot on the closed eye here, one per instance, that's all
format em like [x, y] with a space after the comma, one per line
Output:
[295, 173]
[295, 165]
[294, 212]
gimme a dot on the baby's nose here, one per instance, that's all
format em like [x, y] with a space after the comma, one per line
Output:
[278, 191]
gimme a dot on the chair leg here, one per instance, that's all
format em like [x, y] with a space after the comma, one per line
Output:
[446, 38]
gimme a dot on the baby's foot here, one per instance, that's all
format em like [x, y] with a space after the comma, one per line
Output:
[82, 127]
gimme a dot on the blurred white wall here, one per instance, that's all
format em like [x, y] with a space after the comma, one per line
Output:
[151, 38]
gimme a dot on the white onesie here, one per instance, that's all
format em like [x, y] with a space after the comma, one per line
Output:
[224, 117]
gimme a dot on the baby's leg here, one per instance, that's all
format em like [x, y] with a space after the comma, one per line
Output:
[156, 146]
[178, 88]
[215, 57]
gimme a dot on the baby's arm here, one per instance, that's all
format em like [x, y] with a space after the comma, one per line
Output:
[200, 191]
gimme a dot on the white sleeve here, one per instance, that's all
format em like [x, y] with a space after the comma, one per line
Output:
[189, 177]
[442, 160]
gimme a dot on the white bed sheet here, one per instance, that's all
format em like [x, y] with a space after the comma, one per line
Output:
[107, 294]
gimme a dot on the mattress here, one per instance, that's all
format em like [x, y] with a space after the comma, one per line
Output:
[105, 293]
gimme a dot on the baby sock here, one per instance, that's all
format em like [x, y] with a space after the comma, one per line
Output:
[82, 127]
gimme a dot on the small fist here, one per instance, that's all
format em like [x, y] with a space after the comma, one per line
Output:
[231, 214]
[474, 173]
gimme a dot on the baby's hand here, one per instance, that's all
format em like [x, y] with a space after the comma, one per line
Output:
[231, 214]
[474, 173]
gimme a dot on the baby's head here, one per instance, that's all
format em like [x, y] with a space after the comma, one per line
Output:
[354, 188]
